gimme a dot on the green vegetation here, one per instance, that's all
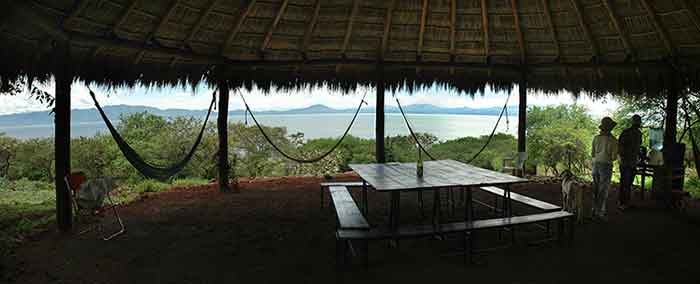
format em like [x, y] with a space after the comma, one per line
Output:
[558, 138]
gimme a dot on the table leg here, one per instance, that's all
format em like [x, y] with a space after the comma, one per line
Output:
[508, 202]
[468, 206]
[420, 204]
[436, 208]
[395, 216]
[452, 201]
[365, 207]
[641, 193]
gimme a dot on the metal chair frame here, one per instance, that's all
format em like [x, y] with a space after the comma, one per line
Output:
[80, 212]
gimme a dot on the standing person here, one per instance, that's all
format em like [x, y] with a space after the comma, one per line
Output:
[604, 153]
[629, 145]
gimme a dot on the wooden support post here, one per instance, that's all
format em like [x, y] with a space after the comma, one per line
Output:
[522, 120]
[64, 211]
[222, 125]
[379, 131]
[671, 120]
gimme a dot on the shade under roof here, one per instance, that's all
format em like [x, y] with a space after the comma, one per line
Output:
[596, 46]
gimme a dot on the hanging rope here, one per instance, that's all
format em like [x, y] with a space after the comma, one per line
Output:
[302, 160]
[410, 130]
[146, 169]
[415, 137]
[493, 132]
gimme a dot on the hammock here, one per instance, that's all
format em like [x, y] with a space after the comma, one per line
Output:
[302, 160]
[145, 168]
[493, 132]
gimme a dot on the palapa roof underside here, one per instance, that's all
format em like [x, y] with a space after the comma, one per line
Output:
[594, 46]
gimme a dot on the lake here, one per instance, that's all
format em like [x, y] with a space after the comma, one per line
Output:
[443, 126]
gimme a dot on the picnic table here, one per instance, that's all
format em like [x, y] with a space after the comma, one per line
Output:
[440, 174]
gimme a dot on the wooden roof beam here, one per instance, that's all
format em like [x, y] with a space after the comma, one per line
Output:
[453, 33]
[485, 28]
[518, 31]
[387, 29]
[200, 22]
[548, 16]
[164, 20]
[237, 26]
[659, 29]
[310, 28]
[421, 30]
[616, 23]
[693, 13]
[453, 26]
[139, 57]
[586, 31]
[209, 59]
[159, 27]
[348, 31]
[124, 16]
[27, 10]
[276, 21]
[75, 12]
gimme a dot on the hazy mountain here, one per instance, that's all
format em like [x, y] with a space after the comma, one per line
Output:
[113, 112]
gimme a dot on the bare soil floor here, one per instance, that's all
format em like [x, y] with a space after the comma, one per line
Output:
[275, 232]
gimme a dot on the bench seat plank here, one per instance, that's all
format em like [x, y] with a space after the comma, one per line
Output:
[342, 183]
[455, 227]
[349, 215]
[539, 204]
[519, 220]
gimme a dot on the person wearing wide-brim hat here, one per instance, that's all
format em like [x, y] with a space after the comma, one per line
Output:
[629, 146]
[604, 154]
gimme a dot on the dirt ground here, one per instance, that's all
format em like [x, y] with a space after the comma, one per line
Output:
[275, 232]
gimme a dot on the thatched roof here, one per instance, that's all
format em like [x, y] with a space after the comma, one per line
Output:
[579, 45]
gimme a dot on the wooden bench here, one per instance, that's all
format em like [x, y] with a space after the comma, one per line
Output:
[529, 201]
[349, 218]
[349, 215]
[347, 184]
[344, 235]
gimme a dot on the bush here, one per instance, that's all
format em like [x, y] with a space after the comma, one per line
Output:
[692, 185]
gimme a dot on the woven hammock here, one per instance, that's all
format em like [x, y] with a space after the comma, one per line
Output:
[149, 170]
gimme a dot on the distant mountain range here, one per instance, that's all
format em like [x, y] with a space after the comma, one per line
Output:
[113, 112]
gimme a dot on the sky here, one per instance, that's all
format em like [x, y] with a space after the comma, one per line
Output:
[186, 98]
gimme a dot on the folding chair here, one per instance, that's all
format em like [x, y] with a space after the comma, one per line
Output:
[75, 182]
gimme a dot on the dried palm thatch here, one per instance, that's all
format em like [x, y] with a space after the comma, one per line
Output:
[593, 46]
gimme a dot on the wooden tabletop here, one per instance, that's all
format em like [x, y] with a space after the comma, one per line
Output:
[436, 174]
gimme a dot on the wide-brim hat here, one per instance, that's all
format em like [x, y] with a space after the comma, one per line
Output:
[607, 123]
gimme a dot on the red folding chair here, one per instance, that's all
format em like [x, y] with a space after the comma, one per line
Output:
[74, 182]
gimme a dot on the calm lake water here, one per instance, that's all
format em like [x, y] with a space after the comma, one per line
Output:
[445, 127]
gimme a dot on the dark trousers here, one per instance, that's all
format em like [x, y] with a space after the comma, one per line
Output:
[626, 179]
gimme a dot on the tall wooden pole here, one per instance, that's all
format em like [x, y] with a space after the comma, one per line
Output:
[379, 130]
[222, 125]
[64, 78]
[671, 122]
[522, 121]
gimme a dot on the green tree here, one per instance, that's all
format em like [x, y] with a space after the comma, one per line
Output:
[560, 136]
[34, 160]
